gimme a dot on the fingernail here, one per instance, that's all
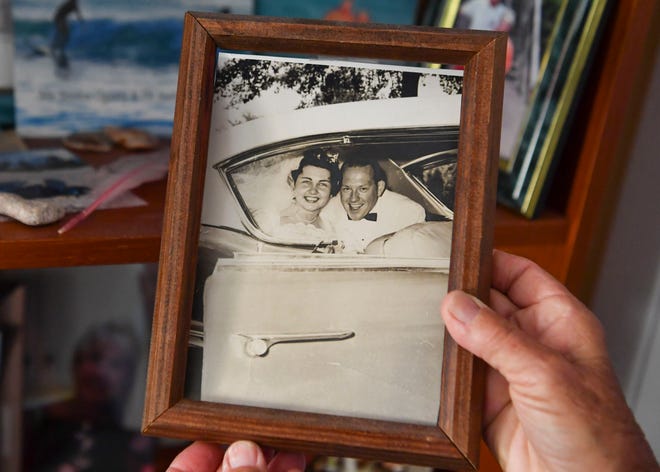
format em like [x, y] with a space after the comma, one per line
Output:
[241, 454]
[465, 307]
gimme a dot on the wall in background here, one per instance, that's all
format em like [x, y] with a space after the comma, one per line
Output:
[627, 294]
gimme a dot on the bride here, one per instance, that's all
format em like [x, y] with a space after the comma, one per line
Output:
[313, 183]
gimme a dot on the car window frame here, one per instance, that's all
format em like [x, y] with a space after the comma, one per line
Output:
[230, 164]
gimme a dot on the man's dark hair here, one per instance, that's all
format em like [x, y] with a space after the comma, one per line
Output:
[323, 158]
[363, 161]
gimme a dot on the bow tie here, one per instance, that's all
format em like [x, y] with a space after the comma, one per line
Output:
[368, 217]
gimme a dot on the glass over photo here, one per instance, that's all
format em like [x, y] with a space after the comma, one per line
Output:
[326, 233]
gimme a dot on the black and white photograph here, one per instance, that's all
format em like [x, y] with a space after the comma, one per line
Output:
[328, 206]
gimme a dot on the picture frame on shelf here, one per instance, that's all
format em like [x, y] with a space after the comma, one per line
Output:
[543, 82]
[234, 292]
[83, 66]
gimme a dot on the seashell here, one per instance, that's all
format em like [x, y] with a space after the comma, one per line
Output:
[131, 139]
[88, 142]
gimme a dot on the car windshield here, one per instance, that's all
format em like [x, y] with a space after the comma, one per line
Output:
[418, 163]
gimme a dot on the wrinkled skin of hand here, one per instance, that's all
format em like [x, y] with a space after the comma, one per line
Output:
[552, 401]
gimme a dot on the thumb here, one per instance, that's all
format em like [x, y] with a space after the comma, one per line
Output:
[498, 341]
[244, 456]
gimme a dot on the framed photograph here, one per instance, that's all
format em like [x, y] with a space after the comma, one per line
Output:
[317, 212]
[548, 51]
[84, 65]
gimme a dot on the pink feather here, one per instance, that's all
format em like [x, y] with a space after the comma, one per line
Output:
[145, 169]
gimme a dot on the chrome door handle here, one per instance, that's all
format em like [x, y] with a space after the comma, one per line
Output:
[258, 345]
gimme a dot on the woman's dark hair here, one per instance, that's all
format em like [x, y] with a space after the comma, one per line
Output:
[325, 159]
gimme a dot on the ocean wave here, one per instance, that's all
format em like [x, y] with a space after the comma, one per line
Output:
[151, 43]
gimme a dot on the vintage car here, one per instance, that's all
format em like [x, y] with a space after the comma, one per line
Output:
[292, 322]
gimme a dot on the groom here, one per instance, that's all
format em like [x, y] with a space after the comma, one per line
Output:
[365, 209]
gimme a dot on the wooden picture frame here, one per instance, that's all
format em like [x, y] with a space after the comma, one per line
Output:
[541, 90]
[452, 443]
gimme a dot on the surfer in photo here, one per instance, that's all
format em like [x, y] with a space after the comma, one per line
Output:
[62, 33]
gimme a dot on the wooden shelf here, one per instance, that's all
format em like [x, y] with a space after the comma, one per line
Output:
[511, 229]
[132, 235]
[116, 236]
